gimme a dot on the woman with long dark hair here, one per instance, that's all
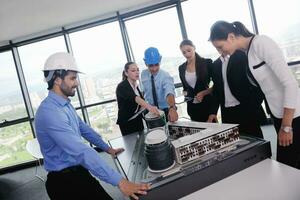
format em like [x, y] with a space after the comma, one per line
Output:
[268, 70]
[195, 78]
[130, 101]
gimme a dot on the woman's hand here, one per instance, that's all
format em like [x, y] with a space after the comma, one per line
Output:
[212, 118]
[200, 95]
[130, 189]
[153, 109]
[285, 139]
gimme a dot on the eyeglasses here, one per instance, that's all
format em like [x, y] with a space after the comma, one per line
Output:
[153, 65]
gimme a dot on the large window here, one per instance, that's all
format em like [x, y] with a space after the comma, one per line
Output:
[11, 105]
[103, 120]
[12, 138]
[199, 16]
[160, 30]
[100, 54]
[281, 21]
[33, 57]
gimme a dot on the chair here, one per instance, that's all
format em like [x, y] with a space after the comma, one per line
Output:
[33, 147]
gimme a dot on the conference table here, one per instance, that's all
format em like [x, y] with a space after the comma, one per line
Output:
[265, 180]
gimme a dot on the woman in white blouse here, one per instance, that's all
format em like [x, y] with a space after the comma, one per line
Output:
[269, 71]
[195, 76]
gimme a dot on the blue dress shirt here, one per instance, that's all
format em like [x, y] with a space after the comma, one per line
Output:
[164, 85]
[59, 132]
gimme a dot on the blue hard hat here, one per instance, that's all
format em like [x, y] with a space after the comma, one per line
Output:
[152, 56]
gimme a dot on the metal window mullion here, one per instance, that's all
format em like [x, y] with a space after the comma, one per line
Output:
[128, 43]
[181, 20]
[253, 16]
[79, 88]
[124, 37]
[24, 89]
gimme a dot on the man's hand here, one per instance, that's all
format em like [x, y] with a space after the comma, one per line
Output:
[285, 139]
[130, 189]
[173, 115]
[212, 118]
[115, 152]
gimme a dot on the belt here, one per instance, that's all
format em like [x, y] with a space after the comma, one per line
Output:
[71, 169]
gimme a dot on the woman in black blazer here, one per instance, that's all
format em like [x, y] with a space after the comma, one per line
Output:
[130, 100]
[240, 101]
[195, 78]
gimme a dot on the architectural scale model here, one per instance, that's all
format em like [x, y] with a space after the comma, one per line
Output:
[191, 140]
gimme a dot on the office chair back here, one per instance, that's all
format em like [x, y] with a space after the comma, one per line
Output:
[33, 147]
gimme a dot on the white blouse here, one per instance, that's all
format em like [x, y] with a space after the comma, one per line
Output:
[134, 87]
[268, 66]
[230, 100]
[191, 78]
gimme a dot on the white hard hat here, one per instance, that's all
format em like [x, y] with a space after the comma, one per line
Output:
[60, 61]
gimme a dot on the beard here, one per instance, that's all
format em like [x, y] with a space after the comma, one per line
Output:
[68, 91]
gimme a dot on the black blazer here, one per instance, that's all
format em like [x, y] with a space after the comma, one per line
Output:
[198, 112]
[203, 74]
[126, 101]
[249, 96]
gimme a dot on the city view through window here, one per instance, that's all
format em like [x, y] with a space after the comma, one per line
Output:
[100, 54]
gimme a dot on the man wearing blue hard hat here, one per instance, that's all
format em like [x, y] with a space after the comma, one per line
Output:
[158, 84]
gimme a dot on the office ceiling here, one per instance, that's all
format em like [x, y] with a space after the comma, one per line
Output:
[22, 18]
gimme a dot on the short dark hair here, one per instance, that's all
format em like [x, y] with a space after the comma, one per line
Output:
[220, 30]
[57, 74]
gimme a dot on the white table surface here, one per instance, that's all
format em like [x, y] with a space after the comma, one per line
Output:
[266, 180]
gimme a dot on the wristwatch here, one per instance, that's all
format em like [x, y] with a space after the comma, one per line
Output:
[287, 129]
[174, 107]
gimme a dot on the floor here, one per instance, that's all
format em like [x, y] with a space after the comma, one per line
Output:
[23, 185]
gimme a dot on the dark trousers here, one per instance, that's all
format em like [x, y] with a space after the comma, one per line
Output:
[289, 155]
[74, 183]
[249, 124]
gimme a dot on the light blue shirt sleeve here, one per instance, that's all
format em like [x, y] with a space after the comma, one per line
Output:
[59, 135]
[168, 85]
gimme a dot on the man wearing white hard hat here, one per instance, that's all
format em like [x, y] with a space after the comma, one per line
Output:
[68, 160]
